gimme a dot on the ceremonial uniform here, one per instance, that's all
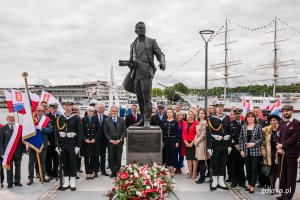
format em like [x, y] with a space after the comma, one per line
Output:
[237, 161]
[218, 140]
[157, 119]
[69, 137]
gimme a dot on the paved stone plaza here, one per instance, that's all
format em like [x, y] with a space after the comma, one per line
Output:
[186, 189]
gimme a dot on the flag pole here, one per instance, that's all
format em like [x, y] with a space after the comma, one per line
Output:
[25, 75]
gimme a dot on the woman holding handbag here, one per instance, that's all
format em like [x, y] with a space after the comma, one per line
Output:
[268, 151]
[250, 142]
[200, 144]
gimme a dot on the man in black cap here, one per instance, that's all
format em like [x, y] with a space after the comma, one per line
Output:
[288, 152]
[51, 156]
[69, 135]
[218, 144]
[159, 116]
[237, 161]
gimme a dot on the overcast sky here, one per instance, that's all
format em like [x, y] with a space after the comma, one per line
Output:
[69, 41]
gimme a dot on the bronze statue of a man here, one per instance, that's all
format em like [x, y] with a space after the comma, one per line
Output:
[142, 70]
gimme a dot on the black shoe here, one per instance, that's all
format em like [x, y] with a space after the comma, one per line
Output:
[224, 188]
[228, 180]
[73, 188]
[233, 185]
[79, 171]
[112, 175]
[30, 181]
[18, 184]
[10, 185]
[260, 186]
[104, 173]
[200, 180]
[2, 185]
[140, 123]
[64, 188]
[95, 175]
[77, 177]
[242, 185]
[298, 180]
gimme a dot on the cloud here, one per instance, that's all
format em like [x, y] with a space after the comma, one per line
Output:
[74, 41]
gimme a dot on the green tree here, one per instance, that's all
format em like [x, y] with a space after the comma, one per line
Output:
[157, 92]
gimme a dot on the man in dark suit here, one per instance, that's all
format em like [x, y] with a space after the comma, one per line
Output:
[159, 116]
[102, 141]
[115, 132]
[39, 112]
[133, 117]
[237, 161]
[51, 155]
[288, 152]
[5, 135]
[142, 53]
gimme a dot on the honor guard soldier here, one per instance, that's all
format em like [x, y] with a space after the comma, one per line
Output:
[218, 144]
[237, 161]
[69, 138]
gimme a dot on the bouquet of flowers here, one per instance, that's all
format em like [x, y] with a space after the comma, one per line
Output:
[137, 182]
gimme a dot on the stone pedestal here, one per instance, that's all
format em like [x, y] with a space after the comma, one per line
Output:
[144, 145]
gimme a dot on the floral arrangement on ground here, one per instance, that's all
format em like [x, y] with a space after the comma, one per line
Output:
[137, 182]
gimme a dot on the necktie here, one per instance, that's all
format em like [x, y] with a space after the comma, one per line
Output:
[101, 120]
[134, 118]
[11, 127]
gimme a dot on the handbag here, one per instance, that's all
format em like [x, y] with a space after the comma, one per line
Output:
[265, 169]
[128, 83]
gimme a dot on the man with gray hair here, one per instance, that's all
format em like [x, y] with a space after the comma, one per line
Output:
[6, 134]
[45, 127]
[102, 141]
[115, 132]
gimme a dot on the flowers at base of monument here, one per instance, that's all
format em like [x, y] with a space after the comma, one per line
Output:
[137, 182]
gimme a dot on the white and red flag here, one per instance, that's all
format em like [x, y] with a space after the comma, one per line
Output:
[18, 101]
[244, 106]
[50, 99]
[276, 107]
[8, 100]
[12, 145]
[35, 99]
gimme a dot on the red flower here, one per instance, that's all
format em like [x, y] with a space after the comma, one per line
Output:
[124, 175]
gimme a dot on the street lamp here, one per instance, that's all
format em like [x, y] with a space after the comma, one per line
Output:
[206, 35]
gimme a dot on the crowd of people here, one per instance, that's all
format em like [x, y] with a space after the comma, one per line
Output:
[256, 149]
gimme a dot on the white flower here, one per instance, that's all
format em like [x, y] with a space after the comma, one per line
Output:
[148, 187]
[155, 184]
[138, 193]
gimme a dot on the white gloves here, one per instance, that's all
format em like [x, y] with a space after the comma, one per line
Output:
[209, 151]
[229, 150]
[226, 137]
[77, 150]
[57, 150]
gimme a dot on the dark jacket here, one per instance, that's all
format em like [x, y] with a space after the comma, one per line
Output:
[170, 129]
[257, 138]
[45, 132]
[90, 132]
[51, 136]
[155, 120]
[5, 135]
[151, 48]
[289, 137]
[235, 131]
[113, 132]
[130, 119]
[100, 127]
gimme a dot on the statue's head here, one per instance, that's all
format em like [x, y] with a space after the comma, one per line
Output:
[140, 29]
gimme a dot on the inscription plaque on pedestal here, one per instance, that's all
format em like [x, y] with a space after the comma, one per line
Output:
[144, 145]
